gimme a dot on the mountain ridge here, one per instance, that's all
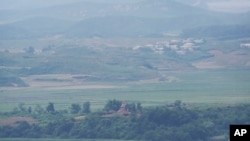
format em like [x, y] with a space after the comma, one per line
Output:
[138, 19]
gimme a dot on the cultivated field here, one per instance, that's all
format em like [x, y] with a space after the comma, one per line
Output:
[198, 87]
[20, 139]
[97, 70]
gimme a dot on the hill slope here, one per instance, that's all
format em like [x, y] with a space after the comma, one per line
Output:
[88, 19]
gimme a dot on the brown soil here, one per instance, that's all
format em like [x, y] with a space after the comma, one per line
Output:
[12, 121]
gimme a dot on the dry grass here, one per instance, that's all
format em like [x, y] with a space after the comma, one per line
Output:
[224, 60]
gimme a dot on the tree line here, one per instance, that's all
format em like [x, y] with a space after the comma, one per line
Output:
[175, 122]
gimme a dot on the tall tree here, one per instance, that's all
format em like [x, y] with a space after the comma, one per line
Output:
[139, 107]
[39, 109]
[86, 107]
[30, 110]
[113, 105]
[50, 107]
[21, 107]
[75, 108]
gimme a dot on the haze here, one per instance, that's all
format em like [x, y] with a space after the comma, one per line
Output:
[146, 70]
[233, 6]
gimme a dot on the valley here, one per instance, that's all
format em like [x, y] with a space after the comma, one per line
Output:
[123, 70]
[151, 70]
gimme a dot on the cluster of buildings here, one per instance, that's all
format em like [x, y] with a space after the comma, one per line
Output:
[245, 45]
[179, 46]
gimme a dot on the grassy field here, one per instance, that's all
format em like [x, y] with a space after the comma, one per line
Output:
[206, 87]
[24, 139]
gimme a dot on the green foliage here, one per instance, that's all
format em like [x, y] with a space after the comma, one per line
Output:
[131, 107]
[139, 107]
[170, 123]
[29, 110]
[75, 108]
[39, 109]
[113, 105]
[177, 103]
[55, 139]
[50, 108]
[86, 107]
[21, 107]
[134, 108]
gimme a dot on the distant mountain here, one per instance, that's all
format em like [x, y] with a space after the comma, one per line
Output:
[146, 8]
[114, 19]
[8, 32]
[148, 18]
[228, 6]
[129, 26]
[219, 31]
[33, 28]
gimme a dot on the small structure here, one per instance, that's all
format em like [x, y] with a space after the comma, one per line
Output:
[123, 110]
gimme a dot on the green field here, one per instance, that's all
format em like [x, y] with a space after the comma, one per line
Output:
[199, 87]
[24, 139]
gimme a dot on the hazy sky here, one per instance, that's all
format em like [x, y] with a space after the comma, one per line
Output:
[230, 5]
[24, 4]
[218, 5]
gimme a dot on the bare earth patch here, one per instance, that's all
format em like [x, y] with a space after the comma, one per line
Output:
[12, 121]
[60, 81]
[239, 58]
[207, 65]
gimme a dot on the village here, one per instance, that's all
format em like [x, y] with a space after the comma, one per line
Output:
[179, 46]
